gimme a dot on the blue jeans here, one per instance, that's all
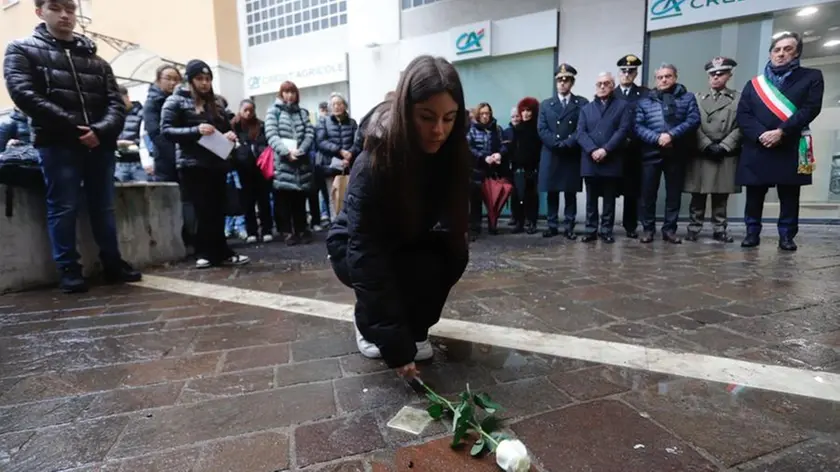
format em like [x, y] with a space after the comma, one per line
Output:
[130, 172]
[64, 171]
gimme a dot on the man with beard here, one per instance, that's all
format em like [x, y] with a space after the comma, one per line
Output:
[631, 182]
[56, 78]
[775, 113]
[666, 123]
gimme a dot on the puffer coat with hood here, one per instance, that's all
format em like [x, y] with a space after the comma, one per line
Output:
[62, 85]
[16, 127]
[288, 121]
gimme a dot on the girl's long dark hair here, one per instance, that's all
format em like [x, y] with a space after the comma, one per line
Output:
[252, 126]
[396, 157]
[207, 103]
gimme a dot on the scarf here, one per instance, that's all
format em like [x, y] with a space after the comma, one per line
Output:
[778, 74]
[669, 105]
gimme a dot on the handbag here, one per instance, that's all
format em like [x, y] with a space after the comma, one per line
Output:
[339, 190]
[266, 163]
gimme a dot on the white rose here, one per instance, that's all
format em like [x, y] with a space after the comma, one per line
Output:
[134, 148]
[512, 456]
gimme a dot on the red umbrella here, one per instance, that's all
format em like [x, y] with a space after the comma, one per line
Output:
[495, 192]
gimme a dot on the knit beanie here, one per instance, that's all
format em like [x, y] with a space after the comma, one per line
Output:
[196, 67]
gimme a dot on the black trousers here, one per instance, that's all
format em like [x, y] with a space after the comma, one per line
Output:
[255, 194]
[525, 209]
[424, 274]
[319, 187]
[788, 223]
[206, 190]
[674, 171]
[630, 215]
[569, 209]
[606, 187]
[476, 207]
[290, 211]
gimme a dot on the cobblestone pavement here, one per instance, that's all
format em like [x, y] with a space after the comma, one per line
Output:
[136, 379]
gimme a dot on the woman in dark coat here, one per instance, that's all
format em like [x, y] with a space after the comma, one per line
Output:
[338, 145]
[771, 139]
[167, 77]
[602, 132]
[524, 150]
[400, 241]
[256, 189]
[188, 114]
[485, 141]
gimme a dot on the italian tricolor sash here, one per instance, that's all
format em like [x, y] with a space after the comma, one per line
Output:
[779, 105]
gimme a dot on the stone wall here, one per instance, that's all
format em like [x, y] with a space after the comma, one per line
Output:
[148, 224]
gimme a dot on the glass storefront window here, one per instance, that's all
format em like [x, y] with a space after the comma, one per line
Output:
[747, 40]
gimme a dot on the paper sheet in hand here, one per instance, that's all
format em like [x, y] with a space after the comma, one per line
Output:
[290, 144]
[217, 143]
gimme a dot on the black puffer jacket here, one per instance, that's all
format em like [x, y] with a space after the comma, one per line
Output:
[62, 85]
[526, 146]
[133, 122]
[249, 149]
[333, 136]
[179, 123]
[163, 150]
[16, 127]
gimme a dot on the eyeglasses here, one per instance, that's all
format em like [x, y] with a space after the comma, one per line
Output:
[718, 73]
[603, 84]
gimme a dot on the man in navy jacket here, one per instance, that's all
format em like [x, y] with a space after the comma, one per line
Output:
[774, 113]
[666, 122]
[602, 132]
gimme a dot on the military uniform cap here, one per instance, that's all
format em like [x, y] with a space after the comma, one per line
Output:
[629, 62]
[565, 70]
[718, 64]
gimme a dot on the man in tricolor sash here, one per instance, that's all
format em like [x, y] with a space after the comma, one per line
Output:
[774, 113]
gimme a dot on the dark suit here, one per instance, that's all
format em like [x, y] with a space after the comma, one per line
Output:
[631, 182]
[603, 125]
[560, 157]
[760, 167]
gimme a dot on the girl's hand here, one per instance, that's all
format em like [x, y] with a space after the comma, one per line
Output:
[206, 129]
[408, 371]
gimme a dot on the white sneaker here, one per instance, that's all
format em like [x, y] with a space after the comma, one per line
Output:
[238, 260]
[317, 228]
[251, 239]
[424, 351]
[367, 348]
[202, 264]
[268, 238]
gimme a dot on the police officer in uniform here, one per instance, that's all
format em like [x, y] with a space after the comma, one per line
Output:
[560, 157]
[712, 167]
[631, 184]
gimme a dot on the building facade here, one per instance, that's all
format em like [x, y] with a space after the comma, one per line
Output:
[136, 37]
[690, 33]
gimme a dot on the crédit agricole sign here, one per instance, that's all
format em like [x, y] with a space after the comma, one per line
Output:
[663, 14]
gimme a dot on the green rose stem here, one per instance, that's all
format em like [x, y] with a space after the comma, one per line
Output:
[477, 428]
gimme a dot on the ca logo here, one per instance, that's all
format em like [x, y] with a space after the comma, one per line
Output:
[469, 42]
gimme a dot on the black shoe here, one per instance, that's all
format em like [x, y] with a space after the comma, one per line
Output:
[607, 238]
[570, 235]
[493, 231]
[752, 240]
[723, 237]
[588, 237]
[551, 232]
[121, 273]
[632, 234]
[787, 244]
[531, 228]
[691, 236]
[519, 229]
[646, 238]
[71, 280]
[292, 240]
[306, 237]
[671, 238]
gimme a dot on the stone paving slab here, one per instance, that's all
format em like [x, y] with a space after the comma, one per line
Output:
[125, 378]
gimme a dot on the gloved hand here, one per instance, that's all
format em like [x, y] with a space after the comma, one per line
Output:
[716, 151]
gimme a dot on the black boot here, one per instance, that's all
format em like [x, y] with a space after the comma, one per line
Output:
[120, 272]
[71, 280]
[752, 240]
[787, 244]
